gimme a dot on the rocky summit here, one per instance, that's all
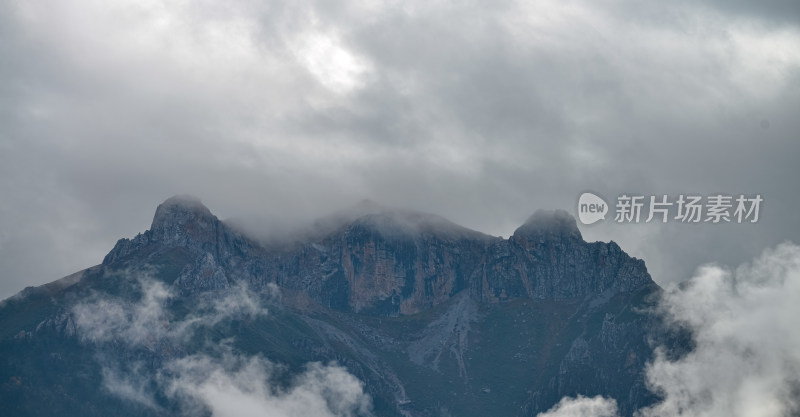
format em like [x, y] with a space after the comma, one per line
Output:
[431, 318]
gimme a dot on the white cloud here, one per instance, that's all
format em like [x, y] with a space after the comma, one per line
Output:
[131, 386]
[333, 65]
[747, 356]
[239, 387]
[107, 319]
[229, 384]
[581, 406]
[147, 322]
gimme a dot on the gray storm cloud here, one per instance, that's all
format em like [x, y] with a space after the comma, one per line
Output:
[279, 112]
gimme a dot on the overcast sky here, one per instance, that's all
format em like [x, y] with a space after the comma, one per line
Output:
[481, 112]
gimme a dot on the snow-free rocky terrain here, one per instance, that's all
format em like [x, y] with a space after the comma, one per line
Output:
[382, 312]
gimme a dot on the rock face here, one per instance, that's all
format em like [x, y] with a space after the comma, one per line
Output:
[218, 253]
[434, 318]
[553, 261]
[395, 262]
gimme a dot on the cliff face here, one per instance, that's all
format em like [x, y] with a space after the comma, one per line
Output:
[218, 256]
[435, 319]
[546, 258]
[393, 262]
[386, 263]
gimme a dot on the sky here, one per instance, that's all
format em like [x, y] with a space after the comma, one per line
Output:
[275, 113]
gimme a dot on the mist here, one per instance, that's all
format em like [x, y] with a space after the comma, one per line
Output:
[221, 381]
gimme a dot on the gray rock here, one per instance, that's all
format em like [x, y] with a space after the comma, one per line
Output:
[392, 262]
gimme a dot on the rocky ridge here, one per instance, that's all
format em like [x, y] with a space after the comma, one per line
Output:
[393, 262]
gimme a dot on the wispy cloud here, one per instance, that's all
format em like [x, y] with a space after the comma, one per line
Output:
[222, 382]
[109, 318]
[235, 386]
[147, 320]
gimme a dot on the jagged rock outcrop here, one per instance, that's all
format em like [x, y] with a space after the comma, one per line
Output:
[215, 252]
[393, 262]
[547, 258]
[61, 322]
[204, 274]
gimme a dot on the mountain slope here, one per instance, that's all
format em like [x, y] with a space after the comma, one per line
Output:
[431, 318]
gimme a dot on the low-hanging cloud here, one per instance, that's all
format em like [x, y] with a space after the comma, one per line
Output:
[236, 386]
[108, 318]
[581, 406]
[222, 382]
[747, 356]
[147, 320]
[746, 360]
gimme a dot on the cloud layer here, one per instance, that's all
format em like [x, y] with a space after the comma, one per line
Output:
[283, 111]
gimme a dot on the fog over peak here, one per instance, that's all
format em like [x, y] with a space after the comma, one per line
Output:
[550, 222]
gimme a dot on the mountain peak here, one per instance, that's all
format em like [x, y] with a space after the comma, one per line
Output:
[183, 217]
[179, 209]
[181, 221]
[550, 224]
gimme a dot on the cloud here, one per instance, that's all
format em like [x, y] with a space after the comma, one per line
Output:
[147, 321]
[581, 406]
[131, 385]
[221, 381]
[236, 386]
[747, 356]
[107, 318]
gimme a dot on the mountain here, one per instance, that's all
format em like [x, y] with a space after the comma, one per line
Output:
[373, 311]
